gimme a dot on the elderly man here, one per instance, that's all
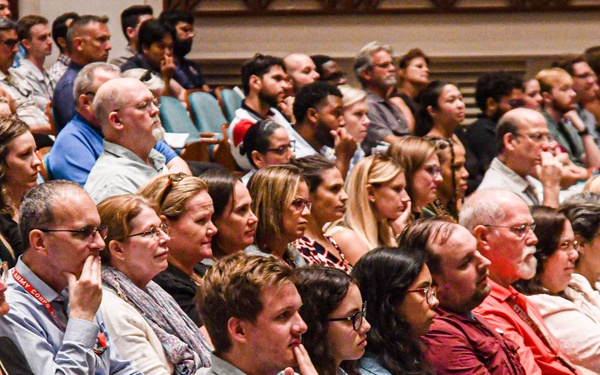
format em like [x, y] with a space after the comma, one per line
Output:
[501, 223]
[461, 275]
[56, 287]
[128, 117]
[88, 41]
[375, 70]
[250, 307]
[522, 139]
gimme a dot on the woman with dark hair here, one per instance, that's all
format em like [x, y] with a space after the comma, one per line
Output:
[397, 287]
[569, 306]
[334, 312]
[19, 167]
[442, 109]
[328, 198]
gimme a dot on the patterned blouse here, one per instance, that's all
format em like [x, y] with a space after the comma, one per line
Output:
[315, 254]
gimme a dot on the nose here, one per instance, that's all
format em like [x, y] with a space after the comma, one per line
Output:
[461, 104]
[366, 121]
[299, 327]
[108, 45]
[154, 110]
[35, 162]
[305, 211]
[97, 243]
[163, 237]
[252, 219]
[531, 239]
[435, 302]
[404, 197]
[343, 195]
[573, 255]
[212, 229]
[437, 178]
[366, 326]
[464, 173]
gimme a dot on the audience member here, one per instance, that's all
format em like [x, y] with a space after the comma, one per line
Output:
[355, 118]
[60, 26]
[34, 36]
[281, 202]
[250, 307]
[187, 208]
[302, 71]
[128, 117]
[329, 70]
[5, 9]
[442, 110]
[522, 143]
[318, 110]
[264, 84]
[501, 223]
[400, 295]
[131, 19]
[461, 275]
[328, 203]
[19, 167]
[375, 70]
[495, 94]
[569, 306]
[413, 75]
[56, 288]
[533, 97]
[88, 41]
[422, 170]
[334, 312]
[187, 73]
[377, 209]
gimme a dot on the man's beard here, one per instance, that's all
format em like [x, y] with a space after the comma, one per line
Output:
[269, 99]
[159, 133]
[181, 47]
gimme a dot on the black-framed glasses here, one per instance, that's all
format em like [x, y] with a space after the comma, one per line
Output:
[519, 230]
[517, 103]
[145, 105]
[282, 150]
[300, 203]
[356, 318]
[153, 232]
[174, 178]
[428, 292]
[10, 43]
[568, 246]
[4, 271]
[88, 233]
[538, 137]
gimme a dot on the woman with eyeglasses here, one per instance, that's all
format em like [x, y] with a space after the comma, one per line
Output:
[145, 323]
[187, 207]
[282, 205]
[568, 304]
[397, 287]
[423, 172]
[334, 312]
[377, 209]
[19, 168]
[264, 143]
[328, 198]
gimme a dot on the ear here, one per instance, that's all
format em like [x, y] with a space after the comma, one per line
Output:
[258, 159]
[84, 100]
[237, 329]
[36, 241]
[130, 31]
[62, 42]
[584, 245]
[508, 141]
[116, 250]
[367, 74]
[312, 115]
[144, 49]
[77, 43]
[26, 43]
[370, 193]
[547, 97]
[255, 82]
[115, 121]
[432, 112]
[480, 233]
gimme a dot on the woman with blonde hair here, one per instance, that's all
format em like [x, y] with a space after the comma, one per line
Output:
[422, 170]
[281, 202]
[145, 323]
[377, 209]
[355, 117]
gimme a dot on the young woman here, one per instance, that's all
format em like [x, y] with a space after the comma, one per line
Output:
[533, 98]
[334, 312]
[355, 117]
[422, 169]
[145, 323]
[282, 204]
[328, 198]
[378, 207]
[442, 109]
[19, 167]
[569, 306]
[397, 287]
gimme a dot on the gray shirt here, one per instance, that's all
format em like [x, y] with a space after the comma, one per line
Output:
[119, 171]
[22, 95]
[40, 82]
[499, 176]
[386, 118]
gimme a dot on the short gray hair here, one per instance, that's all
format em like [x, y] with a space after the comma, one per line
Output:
[480, 211]
[84, 82]
[364, 59]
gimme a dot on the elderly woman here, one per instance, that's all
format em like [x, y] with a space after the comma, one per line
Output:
[187, 207]
[19, 167]
[281, 202]
[145, 322]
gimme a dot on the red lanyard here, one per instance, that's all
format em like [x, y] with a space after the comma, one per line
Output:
[37, 295]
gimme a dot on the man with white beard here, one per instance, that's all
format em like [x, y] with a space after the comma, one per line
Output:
[128, 115]
[501, 223]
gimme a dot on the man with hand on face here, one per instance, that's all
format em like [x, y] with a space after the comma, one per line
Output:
[56, 287]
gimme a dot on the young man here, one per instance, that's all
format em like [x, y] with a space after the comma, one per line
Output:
[131, 19]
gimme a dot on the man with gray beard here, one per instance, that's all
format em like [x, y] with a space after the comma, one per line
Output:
[375, 70]
[128, 115]
[503, 227]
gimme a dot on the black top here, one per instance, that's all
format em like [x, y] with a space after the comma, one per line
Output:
[481, 144]
[182, 288]
[10, 230]
[12, 359]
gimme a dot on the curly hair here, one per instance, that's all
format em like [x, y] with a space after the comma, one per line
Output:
[322, 290]
[383, 276]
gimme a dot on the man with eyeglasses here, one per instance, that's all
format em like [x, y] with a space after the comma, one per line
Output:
[501, 223]
[495, 94]
[128, 116]
[375, 70]
[565, 125]
[460, 273]
[522, 142]
[56, 287]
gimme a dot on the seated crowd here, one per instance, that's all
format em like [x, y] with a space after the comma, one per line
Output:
[364, 230]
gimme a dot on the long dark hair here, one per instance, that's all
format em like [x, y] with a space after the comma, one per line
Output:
[322, 290]
[428, 98]
[384, 275]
